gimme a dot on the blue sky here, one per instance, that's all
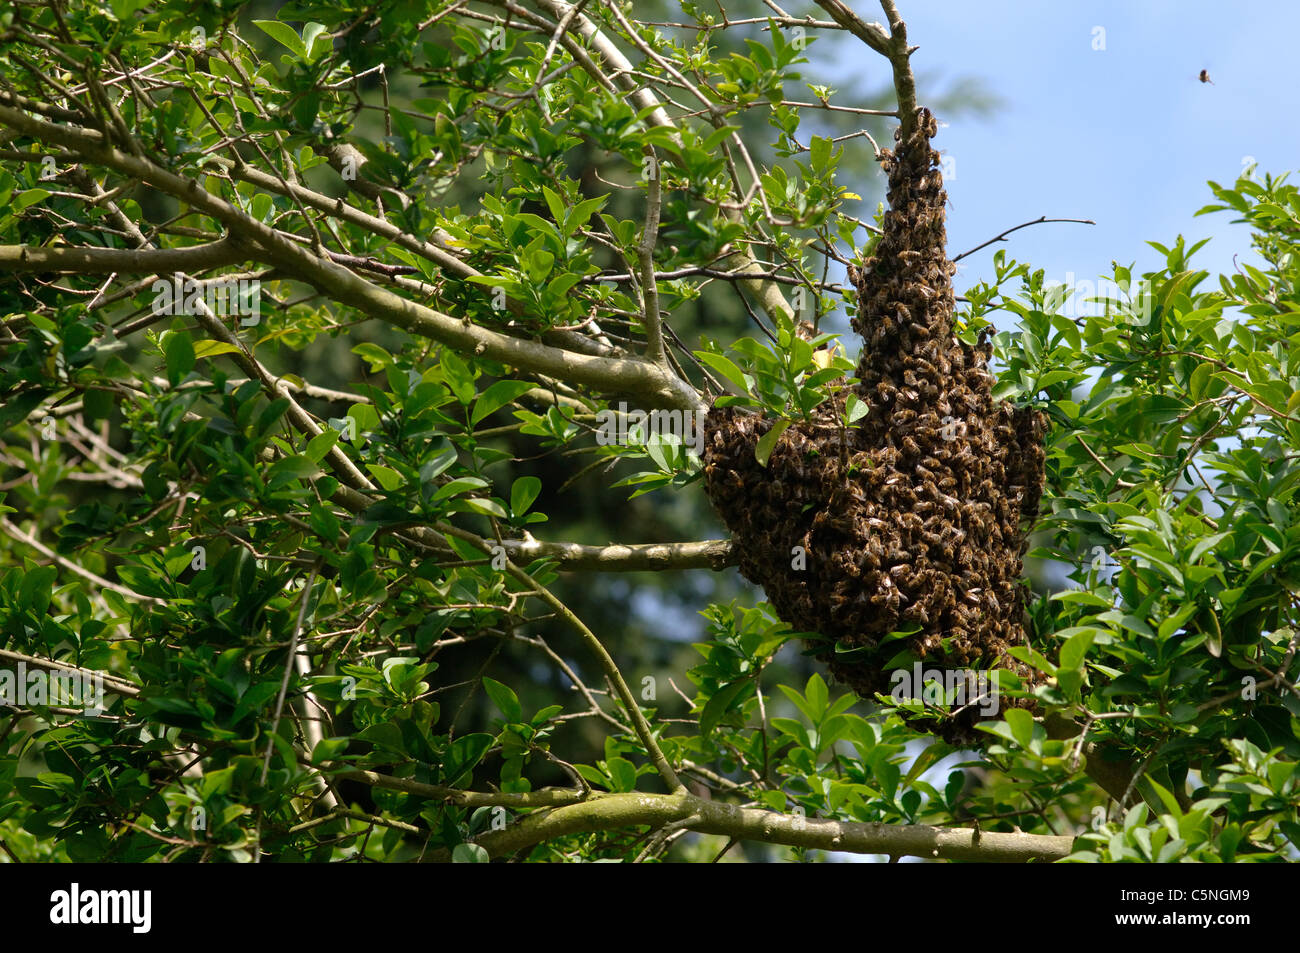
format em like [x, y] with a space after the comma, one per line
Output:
[1126, 136]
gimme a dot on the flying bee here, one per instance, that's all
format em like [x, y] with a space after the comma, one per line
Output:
[1204, 77]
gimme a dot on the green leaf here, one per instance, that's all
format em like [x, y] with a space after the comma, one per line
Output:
[328, 749]
[522, 494]
[388, 478]
[204, 349]
[459, 485]
[726, 368]
[622, 774]
[14, 409]
[458, 375]
[1022, 726]
[469, 854]
[818, 696]
[465, 752]
[767, 443]
[484, 507]
[285, 35]
[321, 444]
[1075, 649]
[28, 198]
[722, 702]
[497, 396]
[316, 39]
[504, 698]
[178, 350]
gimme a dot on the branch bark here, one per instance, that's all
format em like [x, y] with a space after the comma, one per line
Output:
[575, 812]
[639, 557]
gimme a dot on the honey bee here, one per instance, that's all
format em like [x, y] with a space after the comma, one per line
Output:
[926, 367]
[1204, 77]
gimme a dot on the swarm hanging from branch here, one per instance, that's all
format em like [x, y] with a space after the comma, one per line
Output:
[912, 520]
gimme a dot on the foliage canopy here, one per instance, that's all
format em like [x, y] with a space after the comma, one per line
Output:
[308, 321]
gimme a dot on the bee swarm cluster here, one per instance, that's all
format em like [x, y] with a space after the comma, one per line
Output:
[914, 517]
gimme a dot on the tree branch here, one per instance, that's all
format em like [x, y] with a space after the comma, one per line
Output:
[640, 379]
[892, 46]
[713, 554]
[1038, 221]
[129, 261]
[577, 812]
[603, 812]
